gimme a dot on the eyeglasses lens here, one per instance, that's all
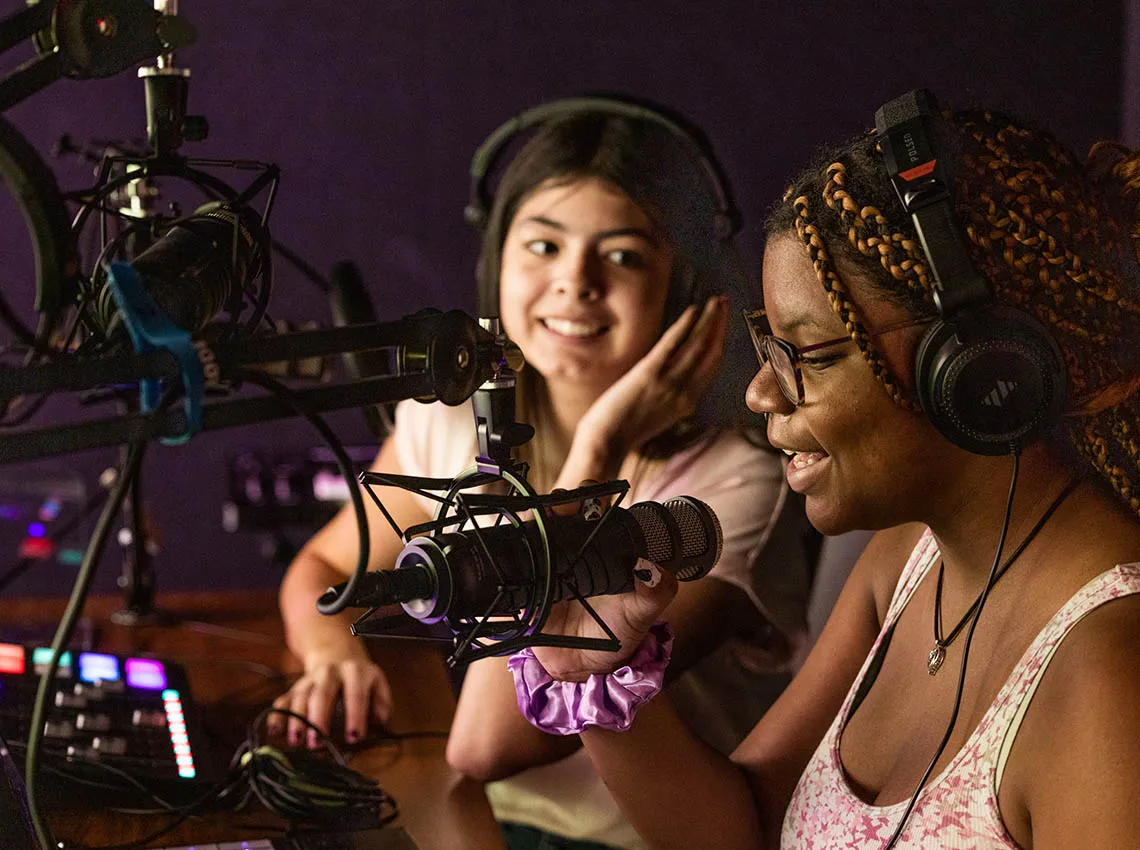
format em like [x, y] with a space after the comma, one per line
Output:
[783, 368]
[769, 350]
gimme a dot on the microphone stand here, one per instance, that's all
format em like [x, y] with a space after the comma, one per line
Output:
[137, 579]
[444, 356]
[167, 126]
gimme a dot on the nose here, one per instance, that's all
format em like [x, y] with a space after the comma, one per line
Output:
[578, 276]
[764, 394]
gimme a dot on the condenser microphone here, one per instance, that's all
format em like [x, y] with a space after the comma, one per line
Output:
[452, 576]
[191, 271]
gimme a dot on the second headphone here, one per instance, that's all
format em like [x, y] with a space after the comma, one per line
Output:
[991, 378]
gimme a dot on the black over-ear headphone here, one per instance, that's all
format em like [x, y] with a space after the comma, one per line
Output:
[991, 378]
[34, 187]
[726, 221]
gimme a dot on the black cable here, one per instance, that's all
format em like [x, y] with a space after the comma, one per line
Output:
[990, 581]
[343, 463]
[184, 813]
[66, 628]
[307, 788]
[57, 764]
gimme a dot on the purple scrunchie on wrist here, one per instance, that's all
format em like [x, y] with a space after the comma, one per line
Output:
[609, 702]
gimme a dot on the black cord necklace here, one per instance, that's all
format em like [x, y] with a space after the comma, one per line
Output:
[941, 644]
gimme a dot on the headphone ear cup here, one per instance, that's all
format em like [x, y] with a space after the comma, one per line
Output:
[991, 380]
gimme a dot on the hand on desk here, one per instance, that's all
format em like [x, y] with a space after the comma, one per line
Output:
[358, 682]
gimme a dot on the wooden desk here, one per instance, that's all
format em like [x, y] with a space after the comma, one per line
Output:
[233, 647]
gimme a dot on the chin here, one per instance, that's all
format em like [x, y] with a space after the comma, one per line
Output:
[834, 517]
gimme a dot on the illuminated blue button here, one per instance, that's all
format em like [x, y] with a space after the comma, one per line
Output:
[49, 510]
[146, 674]
[96, 667]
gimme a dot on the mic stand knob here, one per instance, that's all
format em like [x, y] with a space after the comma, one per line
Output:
[497, 432]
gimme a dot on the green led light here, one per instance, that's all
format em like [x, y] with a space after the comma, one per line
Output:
[69, 557]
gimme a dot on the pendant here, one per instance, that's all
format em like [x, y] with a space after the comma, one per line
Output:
[935, 659]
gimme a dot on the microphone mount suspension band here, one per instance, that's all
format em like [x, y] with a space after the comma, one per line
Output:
[461, 510]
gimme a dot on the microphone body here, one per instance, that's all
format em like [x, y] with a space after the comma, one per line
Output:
[450, 576]
[192, 270]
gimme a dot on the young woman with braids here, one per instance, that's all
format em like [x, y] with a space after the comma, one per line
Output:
[611, 280]
[1045, 742]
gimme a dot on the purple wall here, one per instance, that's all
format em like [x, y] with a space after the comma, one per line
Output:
[373, 109]
[1130, 65]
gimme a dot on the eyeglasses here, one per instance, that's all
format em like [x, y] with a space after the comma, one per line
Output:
[786, 357]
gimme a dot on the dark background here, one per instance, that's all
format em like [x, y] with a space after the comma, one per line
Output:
[372, 110]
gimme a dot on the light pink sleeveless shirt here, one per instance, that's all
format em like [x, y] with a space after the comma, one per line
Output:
[957, 809]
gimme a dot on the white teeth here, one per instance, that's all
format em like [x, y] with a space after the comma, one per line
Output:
[568, 327]
[801, 460]
[790, 452]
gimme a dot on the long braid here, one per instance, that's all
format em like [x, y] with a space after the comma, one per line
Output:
[1054, 236]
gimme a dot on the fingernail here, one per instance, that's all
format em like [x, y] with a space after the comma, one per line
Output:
[312, 740]
[294, 738]
[352, 736]
[649, 575]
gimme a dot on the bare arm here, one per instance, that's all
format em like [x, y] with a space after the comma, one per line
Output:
[680, 793]
[490, 739]
[1072, 772]
[334, 660]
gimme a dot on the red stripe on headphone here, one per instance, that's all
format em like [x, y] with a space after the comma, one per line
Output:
[918, 170]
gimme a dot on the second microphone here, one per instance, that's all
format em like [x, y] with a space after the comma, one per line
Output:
[450, 576]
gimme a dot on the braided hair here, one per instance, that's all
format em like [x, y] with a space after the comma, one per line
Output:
[1056, 237]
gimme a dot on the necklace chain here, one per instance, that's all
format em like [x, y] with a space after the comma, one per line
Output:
[937, 655]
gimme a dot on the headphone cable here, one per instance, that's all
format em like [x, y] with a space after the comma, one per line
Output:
[990, 581]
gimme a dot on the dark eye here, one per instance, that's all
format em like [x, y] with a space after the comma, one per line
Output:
[626, 258]
[822, 361]
[541, 247]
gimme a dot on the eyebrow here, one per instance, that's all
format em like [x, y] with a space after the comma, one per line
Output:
[804, 320]
[605, 234]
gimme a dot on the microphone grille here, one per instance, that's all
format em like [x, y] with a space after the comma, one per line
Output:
[695, 522]
[685, 523]
[658, 540]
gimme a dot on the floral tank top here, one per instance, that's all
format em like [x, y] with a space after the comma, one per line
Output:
[957, 809]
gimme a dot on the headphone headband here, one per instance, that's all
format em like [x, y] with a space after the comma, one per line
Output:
[905, 127]
[727, 220]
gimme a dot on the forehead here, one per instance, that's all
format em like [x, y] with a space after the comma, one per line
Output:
[794, 299]
[582, 199]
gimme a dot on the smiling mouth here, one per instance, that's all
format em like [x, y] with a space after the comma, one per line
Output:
[573, 329]
[802, 460]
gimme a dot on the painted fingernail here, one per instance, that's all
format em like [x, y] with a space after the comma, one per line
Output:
[352, 736]
[294, 738]
[312, 740]
[649, 575]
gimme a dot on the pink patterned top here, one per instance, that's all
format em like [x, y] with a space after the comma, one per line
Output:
[958, 808]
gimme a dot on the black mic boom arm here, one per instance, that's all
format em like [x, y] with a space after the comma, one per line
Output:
[441, 356]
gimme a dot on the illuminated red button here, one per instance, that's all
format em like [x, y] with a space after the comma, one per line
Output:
[11, 658]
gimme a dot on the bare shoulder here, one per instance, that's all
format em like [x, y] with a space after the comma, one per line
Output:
[1076, 756]
[883, 560]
